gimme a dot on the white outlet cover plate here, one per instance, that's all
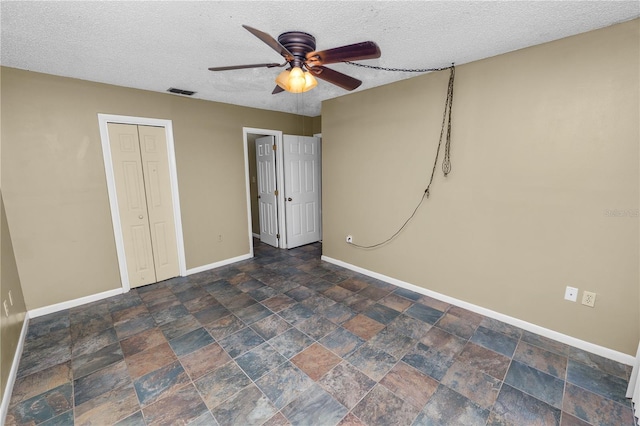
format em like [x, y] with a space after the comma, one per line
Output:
[589, 299]
[571, 294]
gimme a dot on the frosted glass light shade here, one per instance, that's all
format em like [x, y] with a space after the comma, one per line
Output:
[296, 80]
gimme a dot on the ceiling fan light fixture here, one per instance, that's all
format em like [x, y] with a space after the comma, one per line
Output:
[296, 80]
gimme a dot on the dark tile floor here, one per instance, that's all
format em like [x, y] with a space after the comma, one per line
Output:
[285, 338]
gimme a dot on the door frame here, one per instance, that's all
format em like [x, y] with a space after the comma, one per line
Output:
[246, 131]
[103, 120]
[319, 135]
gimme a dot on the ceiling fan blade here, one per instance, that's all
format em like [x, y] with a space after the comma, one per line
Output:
[271, 42]
[335, 77]
[351, 52]
[240, 67]
[277, 90]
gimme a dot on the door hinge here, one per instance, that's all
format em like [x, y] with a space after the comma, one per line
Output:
[275, 192]
[278, 236]
[274, 147]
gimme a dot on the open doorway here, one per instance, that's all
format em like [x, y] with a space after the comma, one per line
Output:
[276, 220]
[283, 179]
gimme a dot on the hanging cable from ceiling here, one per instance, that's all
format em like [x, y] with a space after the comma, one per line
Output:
[446, 162]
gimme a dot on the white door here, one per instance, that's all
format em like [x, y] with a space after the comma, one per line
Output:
[141, 172]
[302, 189]
[267, 190]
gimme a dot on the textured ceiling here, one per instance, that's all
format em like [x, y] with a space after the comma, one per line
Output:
[156, 45]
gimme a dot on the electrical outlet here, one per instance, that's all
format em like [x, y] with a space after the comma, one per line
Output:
[349, 239]
[6, 308]
[220, 238]
[10, 298]
[589, 298]
[571, 294]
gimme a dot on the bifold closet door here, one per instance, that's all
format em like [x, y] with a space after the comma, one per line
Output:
[141, 169]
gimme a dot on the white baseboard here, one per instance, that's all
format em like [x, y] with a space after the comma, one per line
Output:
[219, 264]
[33, 313]
[554, 335]
[256, 235]
[8, 390]
[38, 312]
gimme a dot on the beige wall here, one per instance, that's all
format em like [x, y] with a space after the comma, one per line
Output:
[11, 326]
[316, 125]
[545, 144]
[55, 187]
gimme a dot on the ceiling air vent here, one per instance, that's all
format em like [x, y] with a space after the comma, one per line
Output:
[180, 91]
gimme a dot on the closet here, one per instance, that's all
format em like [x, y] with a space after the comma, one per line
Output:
[141, 171]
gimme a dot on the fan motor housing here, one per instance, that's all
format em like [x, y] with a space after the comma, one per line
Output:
[299, 44]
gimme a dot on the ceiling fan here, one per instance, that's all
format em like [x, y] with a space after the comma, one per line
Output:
[305, 63]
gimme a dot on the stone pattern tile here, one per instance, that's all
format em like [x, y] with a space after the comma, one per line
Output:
[286, 339]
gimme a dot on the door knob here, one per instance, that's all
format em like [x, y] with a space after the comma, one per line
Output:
[289, 199]
[140, 217]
